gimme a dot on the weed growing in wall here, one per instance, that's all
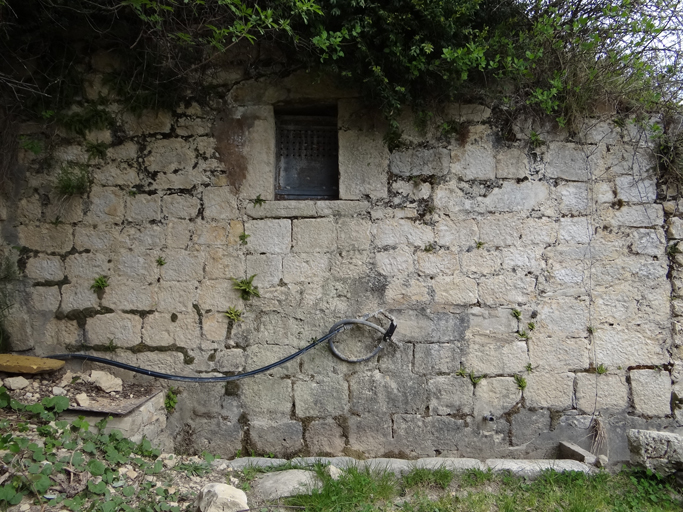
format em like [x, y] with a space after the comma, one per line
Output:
[73, 179]
[234, 314]
[99, 284]
[96, 150]
[246, 287]
[171, 399]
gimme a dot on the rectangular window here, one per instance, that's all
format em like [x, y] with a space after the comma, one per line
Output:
[307, 153]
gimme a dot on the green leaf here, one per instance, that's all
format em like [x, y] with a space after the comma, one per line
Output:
[95, 467]
[42, 483]
[7, 492]
[99, 488]
[34, 469]
[89, 447]
[128, 491]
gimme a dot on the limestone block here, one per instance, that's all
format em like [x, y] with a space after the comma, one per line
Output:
[258, 356]
[436, 358]
[267, 267]
[625, 346]
[675, 228]
[573, 198]
[465, 112]
[178, 234]
[123, 330]
[650, 242]
[417, 326]
[455, 290]
[350, 264]
[448, 198]
[266, 397]
[516, 197]
[278, 437]
[363, 165]
[341, 208]
[499, 231]
[183, 266]
[45, 298]
[325, 437]
[215, 326]
[661, 452]
[220, 203]
[482, 261]
[144, 237]
[143, 207]
[394, 263]
[217, 295]
[116, 175]
[136, 265]
[160, 330]
[495, 396]
[371, 434]
[94, 238]
[86, 265]
[403, 292]
[61, 333]
[422, 437]
[603, 192]
[651, 392]
[305, 267]
[457, 235]
[46, 237]
[127, 294]
[67, 209]
[272, 236]
[473, 162]
[186, 126]
[180, 206]
[641, 216]
[168, 155]
[437, 263]
[19, 327]
[527, 259]
[126, 151]
[45, 268]
[636, 189]
[221, 264]
[374, 392]
[187, 178]
[314, 235]
[106, 205]
[506, 289]
[353, 234]
[486, 354]
[450, 395]
[611, 391]
[230, 360]
[550, 353]
[221, 498]
[282, 209]
[210, 234]
[325, 396]
[565, 315]
[599, 132]
[527, 425]
[485, 320]
[572, 162]
[149, 121]
[401, 232]
[549, 390]
[78, 295]
[16, 383]
[29, 209]
[538, 232]
[511, 163]
[420, 162]
[176, 297]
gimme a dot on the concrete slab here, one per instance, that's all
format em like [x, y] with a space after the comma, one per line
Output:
[533, 468]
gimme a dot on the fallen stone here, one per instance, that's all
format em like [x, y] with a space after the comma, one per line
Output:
[83, 400]
[533, 468]
[661, 452]
[15, 383]
[66, 380]
[168, 459]
[602, 461]
[334, 472]
[220, 498]
[106, 381]
[456, 465]
[256, 462]
[57, 391]
[292, 482]
[28, 364]
[220, 464]
[575, 452]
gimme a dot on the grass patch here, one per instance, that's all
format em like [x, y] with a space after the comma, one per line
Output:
[73, 180]
[421, 477]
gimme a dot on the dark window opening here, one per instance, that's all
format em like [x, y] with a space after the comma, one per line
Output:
[307, 153]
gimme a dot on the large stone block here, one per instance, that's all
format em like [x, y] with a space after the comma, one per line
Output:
[272, 236]
[176, 297]
[148, 121]
[353, 234]
[363, 165]
[281, 437]
[484, 354]
[457, 235]
[395, 262]
[94, 238]
[565, 315]
[661, 452]
[183, 266]
[106, 205]
[443, 263]
[144, 237]
[507, 289]
[651, 392]
[324, 396]
[516, 197]
[640, 216]
[314, 235]
[180, 206]
[473, 162]
[370, 434]
[129, 295]
[406, 292]
[511, 163]
[527, 425]
[481, 262]
[572, 162]
[650, 242]
[450, 395]
[499, 231]
[401, 232]
[267, 267]
[163, 330]
[221, 263]
[549, 390]
[558, 353]
[596, 392]
[211, 234]
[420, 162]
[45, 268]
[143, 208]
[324, 437]
[483, 321]
[431, 359]
[137, 265]
[305, 267]
[266, 397]
[46, 238]
[573, 198]
[455, 290]
[426, 437]
[119, 329]
[631, 189]
[218, 295]
[78, 295]
[86, 266]
[576, 230]
[168, 155]
[625, 346]
[495, 396]
[45, 298]
[220, 203]
[375, 392]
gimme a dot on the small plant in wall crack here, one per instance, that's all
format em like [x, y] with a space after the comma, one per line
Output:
[258, 201]
[523, 334]
[475, 379]
[73, 180]
[479, 244]
[171, 400]
[521, 382]
[96, 150]
[99, 285]
[246, 287]
[591, 329]
[601, 369]
[243, 238]
[462, 372]
[529, 368]
[234, 314]
[531, 326]
[161, 262]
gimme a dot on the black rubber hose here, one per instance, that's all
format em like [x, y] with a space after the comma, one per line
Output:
[336, 329]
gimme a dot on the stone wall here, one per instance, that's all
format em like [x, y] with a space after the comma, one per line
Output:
[452, 234]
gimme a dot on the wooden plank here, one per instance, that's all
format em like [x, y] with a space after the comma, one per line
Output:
[11, 363]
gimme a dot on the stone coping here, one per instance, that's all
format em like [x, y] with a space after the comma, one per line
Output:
[525, 468]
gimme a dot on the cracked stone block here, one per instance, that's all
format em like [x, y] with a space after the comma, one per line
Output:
[325, 437]
[551, 390]
[45, 268]
[527, 425]
[121, 329]
[324, 396]
[599, 392]
[450, 395]
[651, 392]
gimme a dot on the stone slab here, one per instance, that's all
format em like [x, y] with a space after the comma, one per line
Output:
[575, 452]
[456, 465]
[534, 468]
[256, 462]
[281, 484]
[11, 363]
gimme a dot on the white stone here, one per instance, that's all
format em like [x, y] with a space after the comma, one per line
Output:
[636, 189]
[650, 242]
[457, 235]
[535, 468]
[143, 207]
[161, 330]
[45, 298]
[168, 155]
[596, 392]
[182, 266]
[15, 383]
[314, 235]
[180, 206]
[450, 395]
[94, 238]
[220, 203]
[436, 358]
[640, 216]
[401, 232]
[83, 400]
[305, 267]
[437, 263]
[353, 234]
[499, 231]
[481, 261]
[394, 263]
[511, 163]
[45, 237]
[473, 162]
[404, 292]
[495, 396]
[456, 290]
[573, 198]
[675, 228]
[558, 353]
[326, 396]
[78, 295]
[516, 197]
[626, 346]
[86, 265]
[106, 205]
[272, 236]
[57, 391]
[419, 162]
[128, 294]
[45, 268]
[506, 289]
[115, 175]
[222, 263]
[218, 497]
[218, 294]
[484, 354]
[651, 392]
[549, 390]
[363, 165]
[267, 267]
[280, 484]
[572, 162]
[123, 330]
[106, 381]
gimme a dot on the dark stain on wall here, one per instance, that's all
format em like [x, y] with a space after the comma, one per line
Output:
[230, 133]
